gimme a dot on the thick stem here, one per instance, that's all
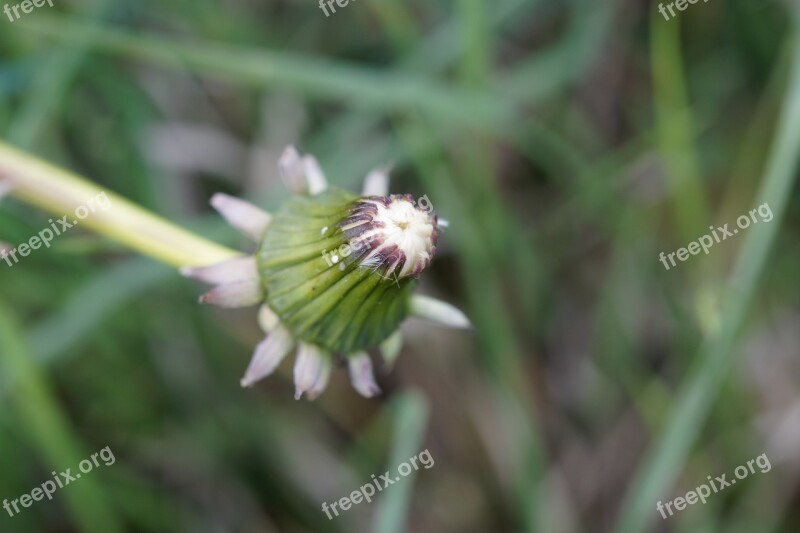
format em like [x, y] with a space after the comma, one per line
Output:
[61, 193]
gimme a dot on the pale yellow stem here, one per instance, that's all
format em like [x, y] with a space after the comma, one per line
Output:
[60, 192]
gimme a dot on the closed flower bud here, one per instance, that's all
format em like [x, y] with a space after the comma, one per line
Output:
[333, 272]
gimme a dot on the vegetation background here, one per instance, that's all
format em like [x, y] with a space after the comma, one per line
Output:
[568, 142]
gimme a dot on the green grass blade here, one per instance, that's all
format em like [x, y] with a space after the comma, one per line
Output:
[675, 128]
[50, 432]
[662, 466]
[410, 421]
[317, 78]
[49, 87]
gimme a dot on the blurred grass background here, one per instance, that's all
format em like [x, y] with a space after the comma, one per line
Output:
[568, 142]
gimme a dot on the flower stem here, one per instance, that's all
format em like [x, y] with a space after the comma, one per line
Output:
[60, 192]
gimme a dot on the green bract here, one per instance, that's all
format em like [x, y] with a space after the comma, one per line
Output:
[321, 295]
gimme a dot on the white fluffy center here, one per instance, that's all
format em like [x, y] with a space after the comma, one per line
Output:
[408, 228]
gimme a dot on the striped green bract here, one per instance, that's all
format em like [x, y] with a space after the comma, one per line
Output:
[327, 300]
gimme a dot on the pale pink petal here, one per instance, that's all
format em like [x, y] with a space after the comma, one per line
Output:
[239, 294]
[361, 375]
[377, 182]
[267, 319]
[244, 216]
[268, 355]
[230, 271]
[437, 311]
[5, 187]
[293, 171]
[390, 348]
[316, 178]
[308, 368]
[322, 381]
